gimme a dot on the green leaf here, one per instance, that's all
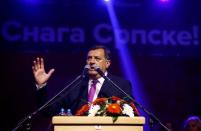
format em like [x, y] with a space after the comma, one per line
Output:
[114, 118]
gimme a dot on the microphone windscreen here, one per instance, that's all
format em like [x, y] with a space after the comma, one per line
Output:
[86, 66]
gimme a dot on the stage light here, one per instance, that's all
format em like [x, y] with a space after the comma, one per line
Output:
[164, 4]
[106, 0]
[31, 1]
[164, 1]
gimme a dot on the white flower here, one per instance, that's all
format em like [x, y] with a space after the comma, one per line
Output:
[93, 110]
[128, 110]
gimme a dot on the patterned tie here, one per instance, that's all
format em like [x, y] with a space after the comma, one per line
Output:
[92, 91]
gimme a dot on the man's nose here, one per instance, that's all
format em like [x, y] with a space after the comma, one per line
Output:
[92, 61]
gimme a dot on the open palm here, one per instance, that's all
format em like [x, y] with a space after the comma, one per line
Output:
[39, 73]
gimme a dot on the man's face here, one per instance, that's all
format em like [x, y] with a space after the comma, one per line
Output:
[193, 126]
[97, 57]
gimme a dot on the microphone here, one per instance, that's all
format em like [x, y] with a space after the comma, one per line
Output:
[85, 71]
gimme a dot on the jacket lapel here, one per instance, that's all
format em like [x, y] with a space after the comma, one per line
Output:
[105, 89]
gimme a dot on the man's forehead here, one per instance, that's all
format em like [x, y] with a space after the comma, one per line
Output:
[96, 52]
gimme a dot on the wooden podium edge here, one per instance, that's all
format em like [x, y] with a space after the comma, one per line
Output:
[96, 120]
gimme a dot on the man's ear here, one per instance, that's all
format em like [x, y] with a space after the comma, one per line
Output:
[108, 62]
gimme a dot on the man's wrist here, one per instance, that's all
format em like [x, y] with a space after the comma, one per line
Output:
[40, 86]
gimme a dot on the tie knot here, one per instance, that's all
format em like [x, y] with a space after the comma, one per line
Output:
[94, 82]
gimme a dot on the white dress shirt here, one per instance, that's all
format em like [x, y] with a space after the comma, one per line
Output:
[98, 86]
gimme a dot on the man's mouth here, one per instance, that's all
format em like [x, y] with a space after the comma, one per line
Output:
[91, 69]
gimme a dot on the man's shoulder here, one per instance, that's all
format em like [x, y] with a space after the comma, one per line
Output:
[121, 82]
[117, 78]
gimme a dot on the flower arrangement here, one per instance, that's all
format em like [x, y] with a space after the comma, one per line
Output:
[112, 106]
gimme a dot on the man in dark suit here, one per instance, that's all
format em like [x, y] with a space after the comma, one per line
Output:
[98, 56]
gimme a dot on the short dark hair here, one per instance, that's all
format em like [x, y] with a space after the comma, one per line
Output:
[107, 52]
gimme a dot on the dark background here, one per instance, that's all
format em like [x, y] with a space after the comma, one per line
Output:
[170, 75]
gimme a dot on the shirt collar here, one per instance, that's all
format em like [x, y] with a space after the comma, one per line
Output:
[100, 80]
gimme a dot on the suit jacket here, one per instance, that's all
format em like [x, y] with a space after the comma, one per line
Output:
[75, 97]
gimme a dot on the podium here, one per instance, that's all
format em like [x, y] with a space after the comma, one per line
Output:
[97, 123]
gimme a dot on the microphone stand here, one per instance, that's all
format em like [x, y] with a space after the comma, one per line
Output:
[151, 115]
[48, 103]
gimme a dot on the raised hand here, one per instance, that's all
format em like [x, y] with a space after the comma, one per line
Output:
[41, 77]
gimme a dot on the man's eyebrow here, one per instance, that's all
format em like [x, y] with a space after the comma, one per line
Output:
[93, 56]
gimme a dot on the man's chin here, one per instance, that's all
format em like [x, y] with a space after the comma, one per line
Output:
[93, 74]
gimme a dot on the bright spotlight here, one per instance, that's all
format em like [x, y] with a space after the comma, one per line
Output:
[106, 0]
[31, 1]
[164, 1]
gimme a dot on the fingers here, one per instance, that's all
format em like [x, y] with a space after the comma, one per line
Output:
[41, 63]
[33, 69]
[38, 64]
[50, 72]
[34, 66]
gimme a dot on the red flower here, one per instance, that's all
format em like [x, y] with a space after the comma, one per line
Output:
[114, 109]
[83, 110]
[114, 98]
[99, 101]
[136, 112]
